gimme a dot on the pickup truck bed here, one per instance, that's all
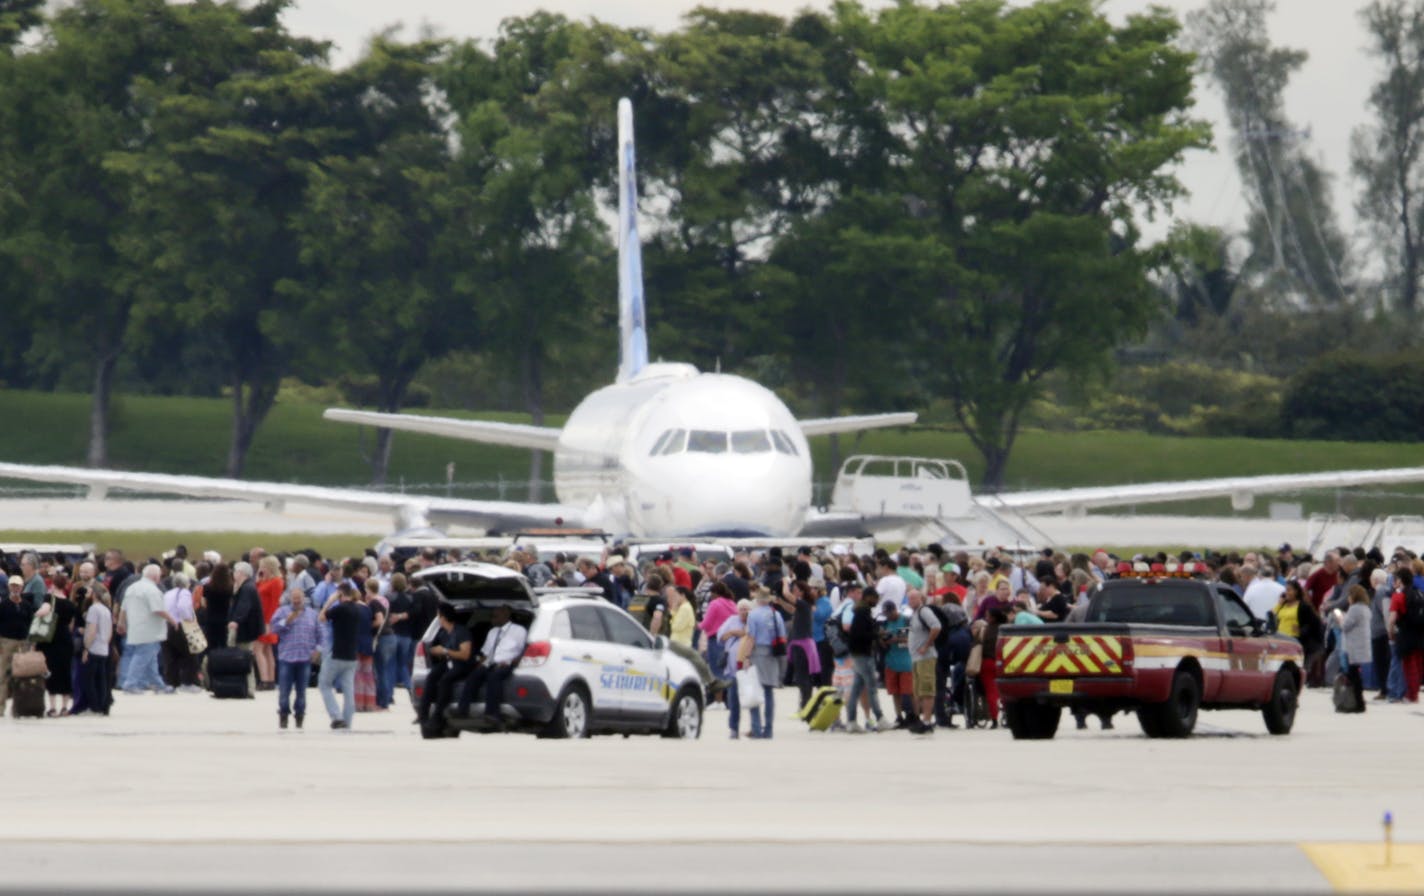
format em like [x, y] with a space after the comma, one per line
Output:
[1162, 648]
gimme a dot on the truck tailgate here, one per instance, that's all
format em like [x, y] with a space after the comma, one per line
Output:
[1064, 651]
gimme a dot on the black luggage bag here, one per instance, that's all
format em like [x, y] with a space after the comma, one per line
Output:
[228, 668]
[27, 697]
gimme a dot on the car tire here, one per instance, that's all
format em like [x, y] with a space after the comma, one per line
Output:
[685, 717]
[1031, 721]
[1280, 712]
[1178, 715]
[1147, 718]
[571, 714]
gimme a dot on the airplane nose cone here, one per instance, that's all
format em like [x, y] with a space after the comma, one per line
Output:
[710, 505]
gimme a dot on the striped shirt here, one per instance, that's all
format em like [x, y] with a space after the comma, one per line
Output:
[297, 639]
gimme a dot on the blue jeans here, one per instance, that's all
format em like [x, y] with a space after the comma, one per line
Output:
[864, 667]
[1394, 684]
[385, 669]
[342, 673]
[716, 658]
[290, 676]
[405, 656]
[766, 711]
[734, 708]
[142, 667]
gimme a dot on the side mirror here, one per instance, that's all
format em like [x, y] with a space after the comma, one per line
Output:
[660, 642]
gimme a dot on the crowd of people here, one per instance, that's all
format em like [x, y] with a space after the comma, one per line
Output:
[919, 625]
[132, 629]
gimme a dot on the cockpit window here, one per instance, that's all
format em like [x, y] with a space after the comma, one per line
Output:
[751, 441]
[675, 442]
[707, 442]
[783, 442]
[660, 444]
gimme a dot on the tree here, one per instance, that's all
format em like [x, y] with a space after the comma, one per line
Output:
[16, 18]
[385, 231]
[68, 107]
[1020, 141]
[1387, 155]
[1297, 246]
[218, 190]
[528, 137]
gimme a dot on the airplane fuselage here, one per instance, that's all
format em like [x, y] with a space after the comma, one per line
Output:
[672, 450]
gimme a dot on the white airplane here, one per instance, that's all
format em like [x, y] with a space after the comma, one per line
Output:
[667, 451]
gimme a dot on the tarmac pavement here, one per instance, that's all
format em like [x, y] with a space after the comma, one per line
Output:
[173, 792]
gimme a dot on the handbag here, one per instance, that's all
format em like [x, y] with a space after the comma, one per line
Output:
[975, 661]
[749, 694]
[778, 641]
[197, 641]
[42, 628]
[30, 664]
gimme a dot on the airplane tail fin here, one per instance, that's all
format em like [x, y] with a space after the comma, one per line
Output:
[632, 320]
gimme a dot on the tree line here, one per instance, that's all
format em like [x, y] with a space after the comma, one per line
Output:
[865, 209]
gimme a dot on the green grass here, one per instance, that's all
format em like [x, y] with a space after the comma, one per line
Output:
[190, 435]
[153, 543]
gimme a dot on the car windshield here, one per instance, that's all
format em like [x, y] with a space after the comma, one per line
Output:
[1163, 603]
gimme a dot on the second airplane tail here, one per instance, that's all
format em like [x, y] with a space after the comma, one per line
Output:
[632, 319]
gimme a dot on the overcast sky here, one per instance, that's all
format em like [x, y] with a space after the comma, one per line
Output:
[1327, 96]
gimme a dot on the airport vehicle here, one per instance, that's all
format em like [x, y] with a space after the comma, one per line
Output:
[1164, 647]
[588, 667]
[667, 451]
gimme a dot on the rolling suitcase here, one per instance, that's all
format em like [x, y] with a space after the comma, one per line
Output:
[27, 696]
[823, 709]
[228, 668]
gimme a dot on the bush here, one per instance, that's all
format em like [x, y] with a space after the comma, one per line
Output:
[1350, 396]
[1173, 398]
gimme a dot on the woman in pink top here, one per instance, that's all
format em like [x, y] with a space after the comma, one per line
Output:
[719, 610]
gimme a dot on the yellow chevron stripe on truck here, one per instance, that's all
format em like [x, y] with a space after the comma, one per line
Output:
[1079, 655]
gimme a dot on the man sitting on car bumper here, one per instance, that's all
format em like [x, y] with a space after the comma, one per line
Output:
[503, 647]
[451, 653]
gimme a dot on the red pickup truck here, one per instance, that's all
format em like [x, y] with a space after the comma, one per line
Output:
[1163, 648]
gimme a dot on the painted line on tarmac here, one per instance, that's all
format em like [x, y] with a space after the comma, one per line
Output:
[238, 842]
[1365, 868]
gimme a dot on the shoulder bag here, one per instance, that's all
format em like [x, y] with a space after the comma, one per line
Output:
[197, 641]
[42, 628]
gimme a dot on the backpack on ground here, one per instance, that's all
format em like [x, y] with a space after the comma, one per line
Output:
[1344, 696]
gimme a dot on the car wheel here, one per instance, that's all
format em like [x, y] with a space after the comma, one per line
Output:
[1280, 712]
[1147, 718]
[571, 715]
[685, 720]
[1178, 716]
[1030, 721]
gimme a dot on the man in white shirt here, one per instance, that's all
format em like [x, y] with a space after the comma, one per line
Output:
[889, 585]
[144, 620]
[504, 645]
[1263, 592]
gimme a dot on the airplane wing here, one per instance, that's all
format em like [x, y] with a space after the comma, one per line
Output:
[1241, 490]
[409, 511]
[824, 426]
[518, 435]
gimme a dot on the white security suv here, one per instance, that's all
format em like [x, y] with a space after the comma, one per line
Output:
[588, 667]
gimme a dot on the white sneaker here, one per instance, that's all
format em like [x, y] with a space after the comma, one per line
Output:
[854, 728]
[874, 727]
